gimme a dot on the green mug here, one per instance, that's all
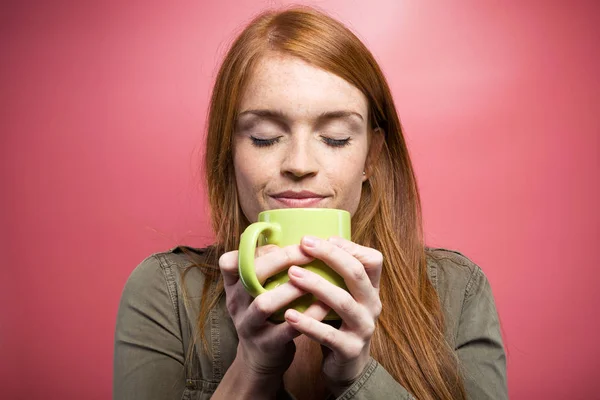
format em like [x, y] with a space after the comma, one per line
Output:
[284, 227]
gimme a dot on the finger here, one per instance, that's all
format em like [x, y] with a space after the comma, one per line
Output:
[279, 259]
[344, 345]
[342, 262]
[228, 264]
[271, 260]
[265, 304]
[237, 299]
[266, 249]
[285, 332]
[371, 259]
[318, 310]
[352, 313]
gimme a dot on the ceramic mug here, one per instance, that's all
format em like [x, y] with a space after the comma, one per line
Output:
[284, 227]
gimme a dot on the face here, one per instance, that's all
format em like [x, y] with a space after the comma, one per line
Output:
[301, 139]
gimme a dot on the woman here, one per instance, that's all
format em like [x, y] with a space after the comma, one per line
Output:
[301, 115]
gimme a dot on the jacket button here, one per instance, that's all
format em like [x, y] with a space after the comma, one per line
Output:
[190, 384]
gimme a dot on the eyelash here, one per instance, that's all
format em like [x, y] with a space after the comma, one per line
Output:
[264, 142]
[329, 141]
[336, 142]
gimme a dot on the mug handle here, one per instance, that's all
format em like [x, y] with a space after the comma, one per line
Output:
[248, 240]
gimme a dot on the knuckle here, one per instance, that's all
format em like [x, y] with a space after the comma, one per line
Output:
[376, 258]
[347, 304]
[287, 256]
[368, 328]
[227, 262]
[340, 242]
[354, 348]
[330, 338]
[262, 305]
[287, 334]
[266, 249]
[349, 247]
[358, 272]
[338, 252]
[377, 308]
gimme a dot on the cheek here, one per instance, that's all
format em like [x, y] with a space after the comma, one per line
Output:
[250, 182]
[245, 177]
[250, 175]
[351, 180]
[355, 192]
[347, 178]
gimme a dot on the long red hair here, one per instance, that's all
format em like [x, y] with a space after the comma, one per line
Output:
[409, 339]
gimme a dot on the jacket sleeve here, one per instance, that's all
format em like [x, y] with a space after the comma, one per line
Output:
[148, 352]
[479, 342]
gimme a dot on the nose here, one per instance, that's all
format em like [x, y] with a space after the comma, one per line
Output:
[299, 160]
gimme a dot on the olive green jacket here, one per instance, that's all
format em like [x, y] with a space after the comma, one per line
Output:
[156, 324]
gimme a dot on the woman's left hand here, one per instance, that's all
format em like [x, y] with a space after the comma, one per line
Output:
[347, 349]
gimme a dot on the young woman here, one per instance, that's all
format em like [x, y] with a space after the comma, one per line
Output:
[301, 116]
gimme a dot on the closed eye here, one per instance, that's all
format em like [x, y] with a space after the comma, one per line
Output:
[336, 142]
[264, 142]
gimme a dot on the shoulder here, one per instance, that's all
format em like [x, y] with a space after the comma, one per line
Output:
[452, 270]
[457, 281]
[164, 271]
[178, 259]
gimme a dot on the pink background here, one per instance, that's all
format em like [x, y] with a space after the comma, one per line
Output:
[101, 121]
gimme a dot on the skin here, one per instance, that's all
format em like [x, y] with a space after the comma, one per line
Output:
[283, 143]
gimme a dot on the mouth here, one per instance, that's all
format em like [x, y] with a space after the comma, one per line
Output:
[301, 199]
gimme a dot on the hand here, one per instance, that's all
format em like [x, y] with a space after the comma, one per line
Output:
[265, 349]
[347, 349]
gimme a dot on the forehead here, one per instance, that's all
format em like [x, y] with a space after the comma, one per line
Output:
[299, 89]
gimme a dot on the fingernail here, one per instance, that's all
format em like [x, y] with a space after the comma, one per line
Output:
[292, 315]
[297, 271]
[310, 241]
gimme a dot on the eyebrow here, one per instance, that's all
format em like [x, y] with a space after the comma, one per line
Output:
[280, 116]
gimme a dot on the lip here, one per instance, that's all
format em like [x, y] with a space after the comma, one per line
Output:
[304, 198]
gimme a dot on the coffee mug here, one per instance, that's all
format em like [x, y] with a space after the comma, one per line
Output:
[284, 227]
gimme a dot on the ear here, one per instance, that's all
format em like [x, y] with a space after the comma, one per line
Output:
[375, 144]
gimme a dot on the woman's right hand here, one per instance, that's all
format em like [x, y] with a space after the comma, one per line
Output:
[265, 349]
